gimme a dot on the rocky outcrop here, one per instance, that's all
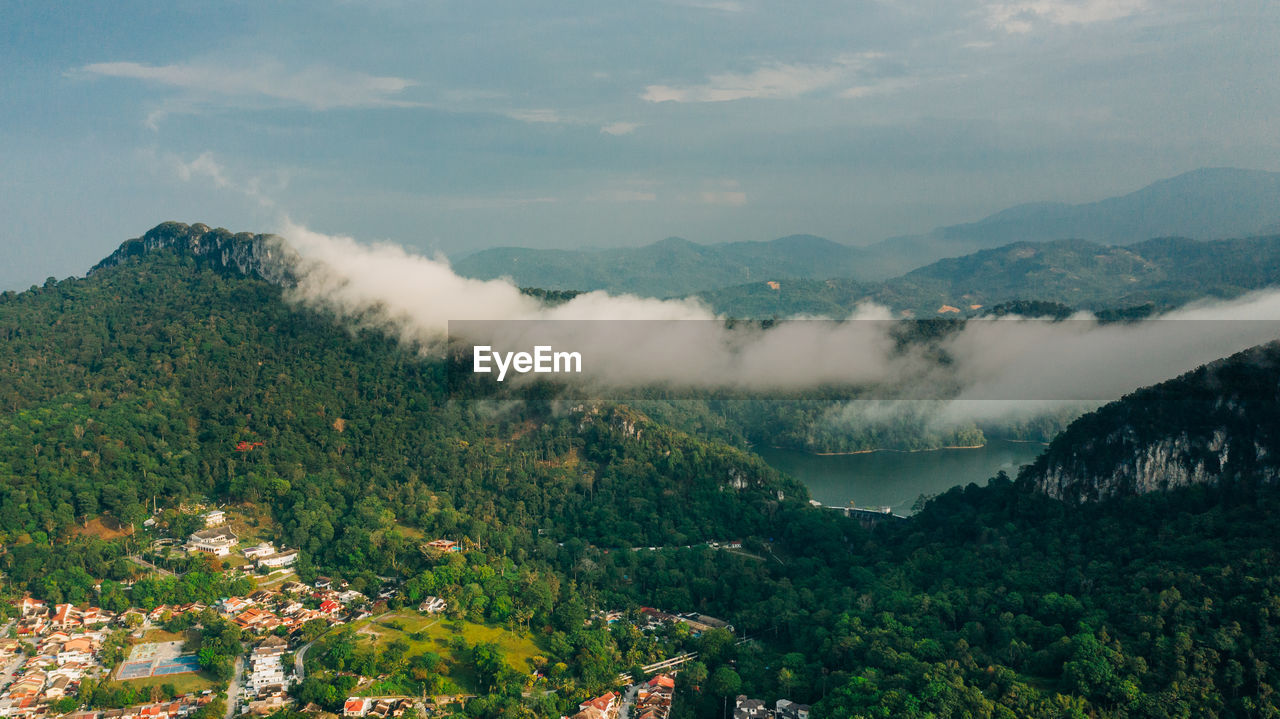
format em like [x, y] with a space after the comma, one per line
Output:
[266, 257]
[1219, 422]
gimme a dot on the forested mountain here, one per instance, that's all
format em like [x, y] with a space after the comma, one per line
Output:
[139, 381]
[1218, 423]
[1157, 274]
[137, 384]
[663, 269]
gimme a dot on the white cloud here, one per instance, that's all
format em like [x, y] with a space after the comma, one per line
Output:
[718, 5]
[317, 87]
[204, 165]
[541, 115]
[619, 128]
[1022, 16]
[720, 197]
[623, 196]
[878, 88]
[258, 189]
[770, 81]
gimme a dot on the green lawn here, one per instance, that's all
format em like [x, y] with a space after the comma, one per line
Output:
[183, 683]
[436, 633]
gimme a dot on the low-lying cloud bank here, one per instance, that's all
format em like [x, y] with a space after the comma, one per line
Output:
[996, 366]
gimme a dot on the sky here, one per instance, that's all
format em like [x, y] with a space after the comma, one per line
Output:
[449, 127]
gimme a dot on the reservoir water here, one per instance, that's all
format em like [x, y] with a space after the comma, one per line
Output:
[896, 479]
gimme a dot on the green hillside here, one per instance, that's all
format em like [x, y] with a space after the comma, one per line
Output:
[133, 387]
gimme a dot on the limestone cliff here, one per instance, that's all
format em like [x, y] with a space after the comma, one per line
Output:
[267, 257]
[1218, 422]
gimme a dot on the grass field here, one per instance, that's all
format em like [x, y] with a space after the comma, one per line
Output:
[435, 634]
[160, 635]
[183, 683]
[274, 581]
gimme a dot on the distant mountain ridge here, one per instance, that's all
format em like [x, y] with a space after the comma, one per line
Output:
[1218, 422]
[1205, 204]
[1160, 273]
[671, 267]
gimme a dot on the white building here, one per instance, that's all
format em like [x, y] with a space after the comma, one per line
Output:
[433, 605]
[215, 518]
[218, 541]
[280, 559]
[261, 550]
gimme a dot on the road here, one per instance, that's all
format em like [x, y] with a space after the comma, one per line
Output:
[299, 672]
[7, 675]
[144, 563]
[628, 701]
[233, 691]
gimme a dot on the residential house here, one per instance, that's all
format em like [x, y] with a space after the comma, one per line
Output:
[32, 607]
[787, 709]
[443, 545]
[433, 605]
[604, 706]
[746, 708]
[215, 518]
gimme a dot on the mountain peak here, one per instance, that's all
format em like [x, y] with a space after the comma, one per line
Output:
[266, 257]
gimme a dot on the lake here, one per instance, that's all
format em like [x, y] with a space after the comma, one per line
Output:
[896, 479]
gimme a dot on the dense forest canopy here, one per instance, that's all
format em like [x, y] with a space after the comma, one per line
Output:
[131, 389]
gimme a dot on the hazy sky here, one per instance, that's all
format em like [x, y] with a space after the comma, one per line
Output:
[459, 125]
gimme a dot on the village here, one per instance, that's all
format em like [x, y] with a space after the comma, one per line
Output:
[47, 652]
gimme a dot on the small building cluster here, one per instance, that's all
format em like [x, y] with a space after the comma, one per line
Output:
[745, 708]
[180, 707]
[380, 707]
[295, 604]
[698, 623]
[66, 643]
[653, 701]
[266, 685]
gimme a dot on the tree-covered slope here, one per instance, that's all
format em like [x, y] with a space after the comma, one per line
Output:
[1220, 422]
[139, 381]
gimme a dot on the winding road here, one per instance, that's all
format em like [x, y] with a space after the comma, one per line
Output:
[299, 672]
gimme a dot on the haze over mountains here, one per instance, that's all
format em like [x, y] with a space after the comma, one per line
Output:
[1152, 275]
[1204, 204]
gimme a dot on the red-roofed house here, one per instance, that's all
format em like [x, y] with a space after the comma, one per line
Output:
[662, 681]
[32, 607]
[65, 615]
[605, 703]
[355, 707]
